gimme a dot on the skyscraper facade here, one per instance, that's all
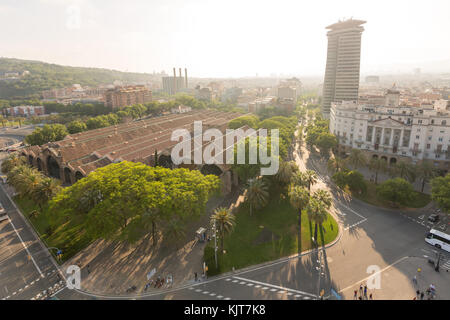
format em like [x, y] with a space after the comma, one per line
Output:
[343, 63]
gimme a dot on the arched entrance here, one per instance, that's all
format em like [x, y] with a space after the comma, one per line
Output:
[211, 169]
[375, 156]
[53, 168]
[67, 176]
[384, 158]
[78, 176]
[39, 164]
[392, 161]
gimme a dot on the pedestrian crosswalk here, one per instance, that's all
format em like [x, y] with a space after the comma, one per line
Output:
[290, 293]
[446, 265]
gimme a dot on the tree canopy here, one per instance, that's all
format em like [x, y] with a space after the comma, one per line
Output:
[124, 200]
[440, 192]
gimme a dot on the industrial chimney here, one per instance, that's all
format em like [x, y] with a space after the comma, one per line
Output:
[174, 81]
[185, 78]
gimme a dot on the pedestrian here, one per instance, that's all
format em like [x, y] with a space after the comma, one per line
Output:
[415, 280]
[421, 295]
[365, 292]
[196, 277]
[355, 295]
[361, 289]
[370, 297]
[417, 293]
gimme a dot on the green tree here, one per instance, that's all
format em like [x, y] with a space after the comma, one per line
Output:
[224, 221]
[285, 171]
[325, 142]
[45, 190]
[398, 191]
[323, 197]
[317, 213]
[426, 172]
[257, 194]
[404, 170]
[377, 165]
[13, 160]
[247, 120]
[299, 199]
[48, 133]
[440, 192]
[76, 126]
[310, 178]
[357, 159]
[336, 164]
[126, 200]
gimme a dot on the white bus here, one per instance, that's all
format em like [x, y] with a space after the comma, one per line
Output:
[438, 239]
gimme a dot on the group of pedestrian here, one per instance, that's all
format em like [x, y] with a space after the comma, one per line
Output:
[196, 278]
[361, 294]
[430, 293]
[159, 282]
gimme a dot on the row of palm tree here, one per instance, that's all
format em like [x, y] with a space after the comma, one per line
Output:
[316, 205]
[29, 182]
[425, 170]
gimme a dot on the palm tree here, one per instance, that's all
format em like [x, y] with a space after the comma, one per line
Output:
[46, 190]
[257, 193]
[323, 197]
[357, 159]
[298, 179]
[317, 213]
[23, 179]
[404, 170]
[299, 198]
[377, 165]
[14, 160]
[336, 164]
[426, 172]
[286, 171]
[224, 221]
[310, 178]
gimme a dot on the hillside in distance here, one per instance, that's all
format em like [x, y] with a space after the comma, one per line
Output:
[44, 76]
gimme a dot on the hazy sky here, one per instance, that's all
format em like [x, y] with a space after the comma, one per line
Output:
[220, 38]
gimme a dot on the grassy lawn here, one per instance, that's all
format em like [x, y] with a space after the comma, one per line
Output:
[68, 237]
[269, 234]
[420, 200]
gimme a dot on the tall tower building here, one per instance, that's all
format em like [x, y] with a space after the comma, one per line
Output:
[343, 62]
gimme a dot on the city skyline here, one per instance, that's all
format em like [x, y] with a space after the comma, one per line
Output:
[289, 38]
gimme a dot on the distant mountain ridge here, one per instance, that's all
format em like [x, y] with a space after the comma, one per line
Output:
[43, 76]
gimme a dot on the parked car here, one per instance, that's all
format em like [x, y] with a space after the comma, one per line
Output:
[433, 218]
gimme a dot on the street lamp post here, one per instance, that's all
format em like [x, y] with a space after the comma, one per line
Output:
[215, 242]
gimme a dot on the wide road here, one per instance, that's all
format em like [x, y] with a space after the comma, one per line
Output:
[26, 270]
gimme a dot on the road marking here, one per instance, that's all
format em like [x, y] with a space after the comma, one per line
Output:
[373, 274]
[275, 287]
[29, 254]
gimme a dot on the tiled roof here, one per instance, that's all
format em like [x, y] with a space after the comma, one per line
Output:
[134, 141]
